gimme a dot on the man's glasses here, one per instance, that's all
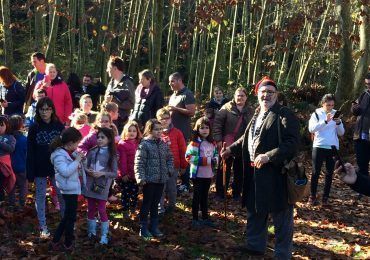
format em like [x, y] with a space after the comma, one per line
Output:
[267, 92]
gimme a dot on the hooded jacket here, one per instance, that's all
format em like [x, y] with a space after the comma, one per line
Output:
[67, 172]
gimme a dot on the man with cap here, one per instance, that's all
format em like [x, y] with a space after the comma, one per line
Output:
[264, 153]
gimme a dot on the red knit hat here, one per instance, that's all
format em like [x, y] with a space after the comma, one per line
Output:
[264, 82]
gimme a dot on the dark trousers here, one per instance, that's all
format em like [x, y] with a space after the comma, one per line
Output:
[129, 193]
[200, 197]
[319, 156]
[2, 190]
[257, 232]
[152, 193]
[66, 226]
[362, 148]
[237, 167]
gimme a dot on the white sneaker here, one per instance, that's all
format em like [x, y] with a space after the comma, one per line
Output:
[44, 232]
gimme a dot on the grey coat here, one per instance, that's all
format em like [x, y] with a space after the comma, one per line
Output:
[153, 161]
[101, 156]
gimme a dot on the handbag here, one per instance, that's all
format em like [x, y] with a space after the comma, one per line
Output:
[97, 188]
[230, 138]
[297, 181]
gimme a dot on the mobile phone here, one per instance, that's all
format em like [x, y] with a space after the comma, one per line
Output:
[337, 157]
[337, 114]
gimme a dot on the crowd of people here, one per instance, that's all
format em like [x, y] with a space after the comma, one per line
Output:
[80, 139]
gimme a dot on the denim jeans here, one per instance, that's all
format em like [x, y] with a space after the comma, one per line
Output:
[257, 232]
[362, 148]
[67, 223]
[319, 155]
[152, 193]
[41, 185]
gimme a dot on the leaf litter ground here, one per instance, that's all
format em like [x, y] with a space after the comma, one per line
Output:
[338, 231]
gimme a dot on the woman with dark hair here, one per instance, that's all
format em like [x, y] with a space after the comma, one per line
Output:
[12, 93]
[75, 88]
[38, 166]
[57, 90]
[326, 128]
[148, 98]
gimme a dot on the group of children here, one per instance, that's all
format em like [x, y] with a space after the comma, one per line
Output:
[76, 162]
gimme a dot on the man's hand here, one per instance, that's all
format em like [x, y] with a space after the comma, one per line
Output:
[348, 174]
[172, 108]
[260, 160]
[225, 151]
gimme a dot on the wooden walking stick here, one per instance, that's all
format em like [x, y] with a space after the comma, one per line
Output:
[224, 169]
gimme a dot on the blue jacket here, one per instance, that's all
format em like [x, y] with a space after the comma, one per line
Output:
[18, 157]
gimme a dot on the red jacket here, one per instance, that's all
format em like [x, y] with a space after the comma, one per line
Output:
[126, 151]
[61, 97]
[175, 139]
[7, 170]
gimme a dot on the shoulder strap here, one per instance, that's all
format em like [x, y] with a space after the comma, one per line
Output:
[317, 116]
[238, 124]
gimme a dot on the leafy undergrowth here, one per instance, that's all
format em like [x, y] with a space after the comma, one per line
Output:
[339, 231]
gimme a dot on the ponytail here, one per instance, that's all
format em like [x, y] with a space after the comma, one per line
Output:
[70, 134]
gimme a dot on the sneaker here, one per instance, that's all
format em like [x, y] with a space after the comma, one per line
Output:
[44, 232]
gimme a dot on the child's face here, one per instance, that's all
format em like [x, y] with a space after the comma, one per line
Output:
[218, 94]
[114, 115]
[104, 122]
[203, 131]
[132, 132]
[165, 121]
[157, 131]
[46, 113]
[102, 140]
[72, 146]
[86, 104]
[2, 128]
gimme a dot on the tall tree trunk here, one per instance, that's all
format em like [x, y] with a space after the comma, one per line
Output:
[231, 52]
[100, 48]
[107, 40]
[157, 34]
[216, 57]
[346, 74]
[83, 39]
[72, 33]
[40, 26]
[53, 31]
[8, 41]
[362, 68]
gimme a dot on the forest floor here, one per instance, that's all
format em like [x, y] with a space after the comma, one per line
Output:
[339, 231]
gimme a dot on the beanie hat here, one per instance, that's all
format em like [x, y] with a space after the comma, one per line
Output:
[264, 82]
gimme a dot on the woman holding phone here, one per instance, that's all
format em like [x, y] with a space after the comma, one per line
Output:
[325, 124]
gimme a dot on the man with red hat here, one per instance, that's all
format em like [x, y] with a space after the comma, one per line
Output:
[264, 153]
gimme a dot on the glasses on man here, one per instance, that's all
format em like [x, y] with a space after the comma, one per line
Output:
[267, 92]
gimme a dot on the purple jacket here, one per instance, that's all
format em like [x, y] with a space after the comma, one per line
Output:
[126, 151]
[88, 142]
